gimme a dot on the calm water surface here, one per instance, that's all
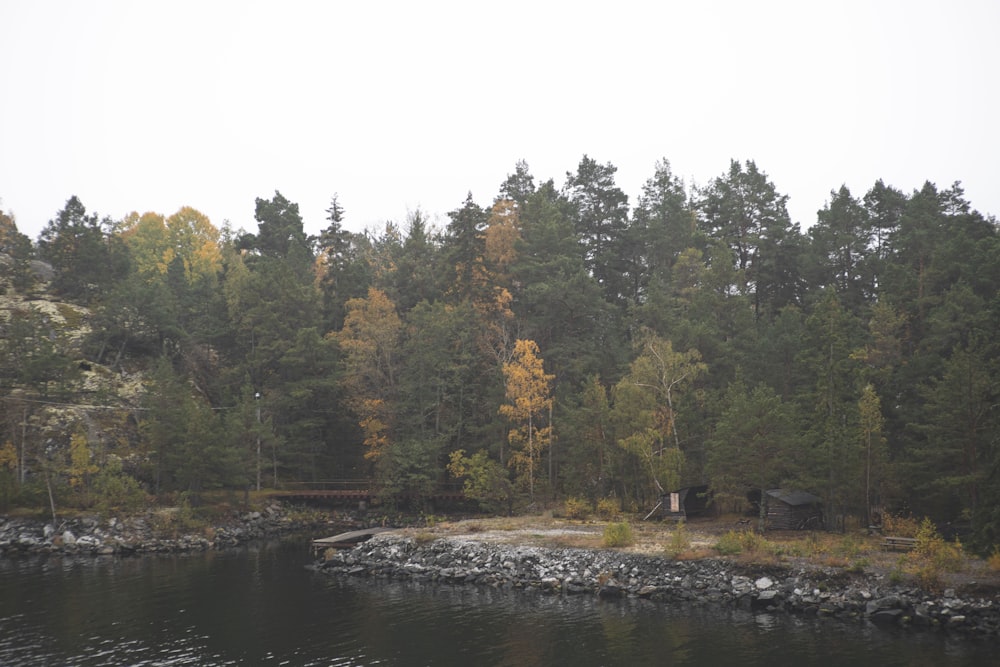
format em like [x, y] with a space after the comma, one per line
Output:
[260, 606]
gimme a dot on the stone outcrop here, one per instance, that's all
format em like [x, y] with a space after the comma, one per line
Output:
[142, 534]
[610, 574]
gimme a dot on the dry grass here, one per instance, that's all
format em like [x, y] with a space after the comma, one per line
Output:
[853, 552]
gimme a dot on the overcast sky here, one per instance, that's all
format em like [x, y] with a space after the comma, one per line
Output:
[151, 106]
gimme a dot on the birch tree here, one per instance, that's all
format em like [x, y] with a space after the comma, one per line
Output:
[529, 402]
[647, 408]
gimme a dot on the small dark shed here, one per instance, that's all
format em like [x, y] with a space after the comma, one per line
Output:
[789, 509]
[687, 502]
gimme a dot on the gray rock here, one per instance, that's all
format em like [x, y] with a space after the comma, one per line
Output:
[887, 616]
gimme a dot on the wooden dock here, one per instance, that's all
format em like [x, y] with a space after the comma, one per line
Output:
[346, 540]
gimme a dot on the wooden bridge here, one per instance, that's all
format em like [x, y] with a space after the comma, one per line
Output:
[359, 491]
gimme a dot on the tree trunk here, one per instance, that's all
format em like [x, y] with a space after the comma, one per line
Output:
[762, 517]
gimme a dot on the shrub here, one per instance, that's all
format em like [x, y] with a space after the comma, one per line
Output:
[576, 508]
[608, 508]
[116, 490]
[932, 556]
[173, 522]
[423, 538]
[859, 565]
[618, 535]
[993, 561]
[752, 542]
[813, 545]
[679, 541]
[849, 547]
[736, 542]
[935, 550]
[929, 577]
[729, 544]
[900, 526]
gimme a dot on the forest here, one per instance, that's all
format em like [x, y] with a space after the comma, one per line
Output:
[558, 342]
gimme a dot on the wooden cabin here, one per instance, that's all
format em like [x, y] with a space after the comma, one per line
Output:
[684, 503]
[789, 509]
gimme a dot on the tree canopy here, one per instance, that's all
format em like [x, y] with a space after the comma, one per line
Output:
[554, 341]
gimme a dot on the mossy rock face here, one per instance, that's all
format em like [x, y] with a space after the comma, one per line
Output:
[65, 406]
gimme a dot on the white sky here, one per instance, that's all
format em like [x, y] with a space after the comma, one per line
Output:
[150, 106]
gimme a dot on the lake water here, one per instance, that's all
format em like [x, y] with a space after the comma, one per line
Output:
[261, 606]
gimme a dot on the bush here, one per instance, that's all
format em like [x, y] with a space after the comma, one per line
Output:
[736, 542]
[618, 535]
[173, 522]
[936, 551]
[932, 556]
[679, 542]
[900, 526]
[576, 508]
[729, 544]
[116, 490]
[993, 561]
[608, 509]
[849, 547]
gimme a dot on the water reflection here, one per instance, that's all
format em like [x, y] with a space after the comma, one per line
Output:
[261, 606]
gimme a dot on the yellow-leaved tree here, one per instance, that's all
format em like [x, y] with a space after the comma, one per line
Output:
[154, 242]
[370, 343]
[529, 404]
[492, 297]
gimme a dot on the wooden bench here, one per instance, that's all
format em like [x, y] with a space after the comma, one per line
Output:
[899, 543]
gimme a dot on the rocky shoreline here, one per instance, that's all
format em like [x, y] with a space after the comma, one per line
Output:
[824, 592]
[153, 532]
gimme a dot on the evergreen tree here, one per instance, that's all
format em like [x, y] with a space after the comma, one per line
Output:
[842, 238]
[519, 186]
[416, 265]
[599, 211]
[280, 234]
[830, 336]
[463, 247]
[15, 268]
[559, 303]
[590, 462]
[752, 446]
[87, 258]
[743, 209]
[344, 272]
[663, 226]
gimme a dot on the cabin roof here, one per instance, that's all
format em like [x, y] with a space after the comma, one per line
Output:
[794, 498]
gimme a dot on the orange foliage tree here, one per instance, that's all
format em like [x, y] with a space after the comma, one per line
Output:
[370, 343]
[529, 402]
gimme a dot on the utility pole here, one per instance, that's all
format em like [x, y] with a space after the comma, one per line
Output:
[256, 397]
